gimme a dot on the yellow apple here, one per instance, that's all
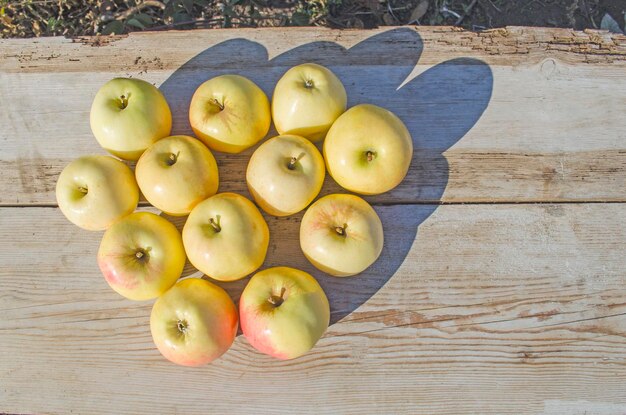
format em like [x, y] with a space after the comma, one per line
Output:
[176, 173]
[229, 113]
[283, 312]
[95, 191]
[341, 235]
[141, 256]
[226, 237]
[368, 150]
[285, 174]
[128, 115]
[194, 322]
[307, 100]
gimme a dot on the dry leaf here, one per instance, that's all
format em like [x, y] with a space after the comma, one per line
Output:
[388, 19]
[418, 12]
[6, 20]
[608, 23]
[36, 28]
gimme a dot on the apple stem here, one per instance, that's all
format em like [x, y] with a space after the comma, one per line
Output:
[216, 226]
[341, 230]
[172, 159]
[182, 326]
[277, 300]
[141, 255]
[124, 101]
[219, 104]
[370, 155]
[292, 163]
[83, 189]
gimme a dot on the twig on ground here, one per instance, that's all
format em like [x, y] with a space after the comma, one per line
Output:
[444, 9]
[135, 9]
[589, 16]
[371, 12]
[196, 22]
[468, 10]
[335, 22]
[317, 19]
[390, 9]
[494, 6]
[60, 15]
[34, 12]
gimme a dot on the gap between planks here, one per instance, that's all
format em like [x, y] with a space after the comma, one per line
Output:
[422, 202]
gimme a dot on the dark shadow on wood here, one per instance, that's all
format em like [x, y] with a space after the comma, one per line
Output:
[439, 107]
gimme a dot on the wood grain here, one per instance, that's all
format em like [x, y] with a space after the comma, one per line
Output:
[502, 116]
[490, 309]
[494, 307]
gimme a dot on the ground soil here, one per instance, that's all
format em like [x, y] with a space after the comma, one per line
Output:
[28, 18]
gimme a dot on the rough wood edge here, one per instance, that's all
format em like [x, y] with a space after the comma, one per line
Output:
[508, 46]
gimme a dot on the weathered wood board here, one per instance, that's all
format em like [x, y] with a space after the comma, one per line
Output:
[508, 298]
[478, 308]
[513, 115]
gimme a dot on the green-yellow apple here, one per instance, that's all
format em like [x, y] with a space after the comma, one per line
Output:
[176, 173]
[226, 237]
[341, 234]
[283, 312]
[307, 100]
[285, 174]
[141, 256]
[95, 191]
[194, 322]
[128, 115]
[368, 150]
[229, 113]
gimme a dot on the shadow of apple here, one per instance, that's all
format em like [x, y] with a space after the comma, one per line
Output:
[438, 107]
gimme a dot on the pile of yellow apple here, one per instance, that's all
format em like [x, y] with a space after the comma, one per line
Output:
[282, 311]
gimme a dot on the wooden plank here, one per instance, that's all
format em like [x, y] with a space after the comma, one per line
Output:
[514, 114]
[490, 309]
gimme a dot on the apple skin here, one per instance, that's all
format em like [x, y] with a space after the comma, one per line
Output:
[341, 234]
[362, 129]
[141, 256]
[128, 115]
[292, 328]
[95, 191]
[194, 322]
[307, 99]
[226, 237]
[280, 187]
[176, 173]
[229, 113]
